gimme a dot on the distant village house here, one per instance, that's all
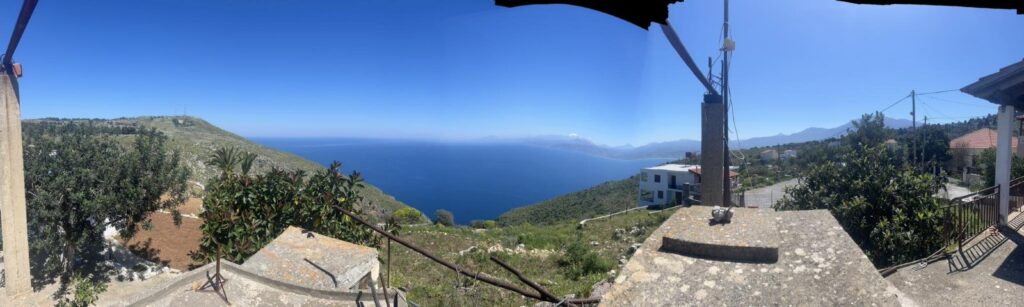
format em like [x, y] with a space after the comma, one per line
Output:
[672, 184]
[969, 146]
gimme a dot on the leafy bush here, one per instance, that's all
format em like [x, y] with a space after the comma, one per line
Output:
[407, 216]
[86, 292]
[882, 201]
[987, 162]
[444, 217]
[244, 212]
[579, 260]
[481, 224]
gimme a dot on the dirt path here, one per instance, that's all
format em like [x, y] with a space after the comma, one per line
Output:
[166, 243]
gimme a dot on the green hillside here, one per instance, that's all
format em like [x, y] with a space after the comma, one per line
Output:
[608, 197]
[537, 251]
[196, 139]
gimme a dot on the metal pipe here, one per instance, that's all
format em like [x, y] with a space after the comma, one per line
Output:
[525, 280]
[478, 276]
[673, 39]
[19, 28]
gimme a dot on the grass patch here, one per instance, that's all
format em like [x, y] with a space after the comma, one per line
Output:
[541, 257]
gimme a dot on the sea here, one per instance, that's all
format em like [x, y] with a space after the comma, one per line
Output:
[473, 180]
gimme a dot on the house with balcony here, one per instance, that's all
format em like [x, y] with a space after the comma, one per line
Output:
[671, 184]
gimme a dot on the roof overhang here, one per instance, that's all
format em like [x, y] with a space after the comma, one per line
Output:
[1005, 87]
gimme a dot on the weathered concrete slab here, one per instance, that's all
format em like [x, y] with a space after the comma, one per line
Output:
[990, 272]
[751, 236]
[296, 269]
[245, 288]
[315, 261]
[818, 265]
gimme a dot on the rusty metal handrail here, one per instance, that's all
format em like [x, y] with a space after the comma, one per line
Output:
[543, 295]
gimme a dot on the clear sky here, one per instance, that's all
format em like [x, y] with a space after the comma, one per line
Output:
[467, 69]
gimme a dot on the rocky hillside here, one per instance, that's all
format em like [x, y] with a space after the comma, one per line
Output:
[196, 139]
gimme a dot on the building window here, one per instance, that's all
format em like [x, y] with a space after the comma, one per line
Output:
[646, 195]
[643, 176]
[661, 194]
[657, 178]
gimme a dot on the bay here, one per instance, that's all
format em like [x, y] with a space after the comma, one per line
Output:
[473, 180]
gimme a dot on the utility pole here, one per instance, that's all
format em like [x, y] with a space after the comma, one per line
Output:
[727, 46]
[913, 115]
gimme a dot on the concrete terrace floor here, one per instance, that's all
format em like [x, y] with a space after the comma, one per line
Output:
[991, 273]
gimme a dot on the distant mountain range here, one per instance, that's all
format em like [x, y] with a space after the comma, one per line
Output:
[677, 148]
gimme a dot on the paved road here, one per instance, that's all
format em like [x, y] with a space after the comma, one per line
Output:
[953, 191]
[767, 196]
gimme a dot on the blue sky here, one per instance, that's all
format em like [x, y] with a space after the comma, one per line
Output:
[469, 69]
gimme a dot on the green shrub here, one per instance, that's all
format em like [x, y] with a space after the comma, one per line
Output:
[85, 293]
[444, 217]
[579, 260]
[407, 216]
[481, 224]
[245, 212]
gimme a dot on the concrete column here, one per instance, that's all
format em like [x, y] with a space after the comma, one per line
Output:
[1003, 157]
[712, 151]
[12, 194]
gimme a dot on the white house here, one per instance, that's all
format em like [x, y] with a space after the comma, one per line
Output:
[788, 154]
[670, 184]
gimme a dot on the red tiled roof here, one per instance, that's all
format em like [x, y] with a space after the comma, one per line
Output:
[980, 139]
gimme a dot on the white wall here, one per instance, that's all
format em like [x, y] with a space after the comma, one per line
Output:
[663, 185]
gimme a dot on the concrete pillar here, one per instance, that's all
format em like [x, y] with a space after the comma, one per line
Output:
[12, 193]
[712, 151]
[1003, 157]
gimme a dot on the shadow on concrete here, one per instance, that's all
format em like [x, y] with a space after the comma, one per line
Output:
[980, 250]
[333, 279]
[1012, 268]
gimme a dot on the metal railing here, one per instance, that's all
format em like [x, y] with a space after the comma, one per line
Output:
[970, 215]
[1017, 194]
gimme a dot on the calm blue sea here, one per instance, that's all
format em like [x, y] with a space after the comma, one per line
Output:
[472, 180]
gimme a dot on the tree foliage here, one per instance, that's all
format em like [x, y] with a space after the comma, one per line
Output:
[987, 161]
[883, 202]
[444, 217]
[868, 131]
[82, 178]
[244, 212]
[927, 147]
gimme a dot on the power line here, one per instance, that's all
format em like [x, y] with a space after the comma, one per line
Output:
[929, 107]
[937, 92]
[957, 102]
[894, 103]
